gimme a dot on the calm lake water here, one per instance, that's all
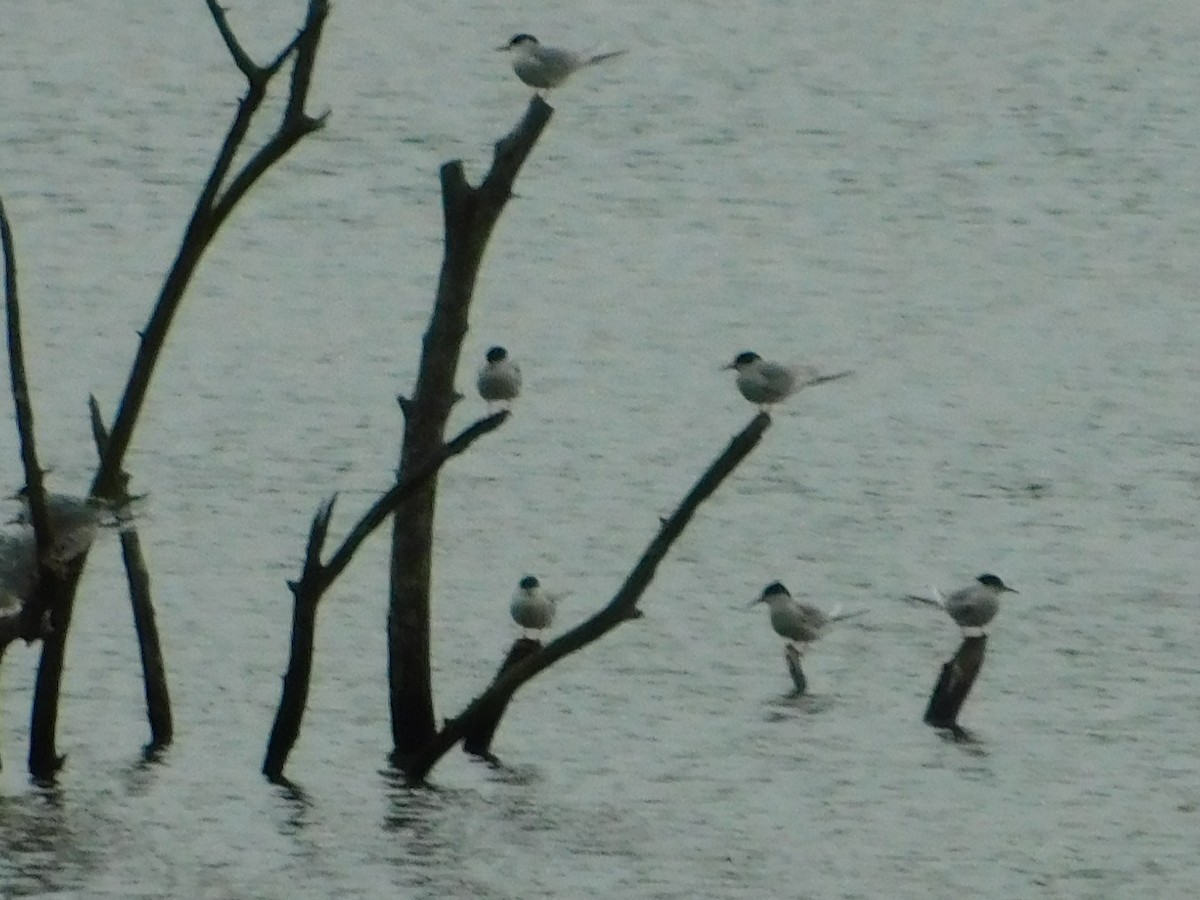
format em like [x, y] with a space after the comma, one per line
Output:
[989, 212]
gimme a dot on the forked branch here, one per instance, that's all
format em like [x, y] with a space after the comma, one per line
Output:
[216, 201]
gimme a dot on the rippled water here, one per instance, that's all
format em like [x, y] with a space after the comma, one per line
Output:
[988, 212]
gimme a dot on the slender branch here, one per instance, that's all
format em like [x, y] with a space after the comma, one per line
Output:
[36, 495]
[209, 213]
[154, 670]
[403, 489]
[621, 608]
[212, 208]
[241, 58]
[44, 597]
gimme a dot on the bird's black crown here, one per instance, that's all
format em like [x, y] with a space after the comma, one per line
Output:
[521, 39]
[528, 583]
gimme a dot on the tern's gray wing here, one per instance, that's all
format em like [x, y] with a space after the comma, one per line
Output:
[499, 382]
[777, 379]
[546, 66]
[798, 622]
[972, 607]
[532, 611]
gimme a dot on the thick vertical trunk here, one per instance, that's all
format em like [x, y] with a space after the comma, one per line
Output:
[470, 214]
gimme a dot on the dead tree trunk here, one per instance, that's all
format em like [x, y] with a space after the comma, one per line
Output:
[222, 192]
[953, 685]
[470, 214]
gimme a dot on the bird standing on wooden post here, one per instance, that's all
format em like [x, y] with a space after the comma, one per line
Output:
[799, 623]
[545, 67]
[764, 382]
[970, 607]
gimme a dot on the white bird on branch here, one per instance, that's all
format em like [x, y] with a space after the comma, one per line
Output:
[765, 382]
[533, 608]
[545, 67]
[499, 379]
[971, 607]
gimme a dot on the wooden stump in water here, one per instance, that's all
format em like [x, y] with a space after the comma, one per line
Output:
[478, 739]
[958, 675]
[792, 655]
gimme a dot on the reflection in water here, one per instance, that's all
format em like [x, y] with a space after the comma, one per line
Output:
[48, 847]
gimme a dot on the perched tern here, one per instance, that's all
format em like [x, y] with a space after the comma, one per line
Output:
[970, 607]
[499, 378]
[765, 382]
[544, 67]
[74, 520]
[799, 623]
[533, 608]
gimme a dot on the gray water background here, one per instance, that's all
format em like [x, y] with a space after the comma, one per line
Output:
[988, 211]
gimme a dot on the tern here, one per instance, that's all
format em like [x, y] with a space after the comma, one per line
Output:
[764, 382]
[499, 379]
[545, 67]
[799, 623]
[973, 606]
[533, 608]
[74, 520]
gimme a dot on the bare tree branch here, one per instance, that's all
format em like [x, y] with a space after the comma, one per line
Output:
[154, 670]
[316, 579]
[211, 210]
[621, 608]
[45, 596]
[241, 58]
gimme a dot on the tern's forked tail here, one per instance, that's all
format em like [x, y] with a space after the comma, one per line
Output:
[601, 57]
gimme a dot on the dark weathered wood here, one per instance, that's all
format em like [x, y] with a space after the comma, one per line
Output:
[953, 685]
[216, 201]
[316, 578]
[307, 592]
[35, 607]
[477, 736]
[154, 670]
[621, 608]
[792, 656]
[470, 214]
